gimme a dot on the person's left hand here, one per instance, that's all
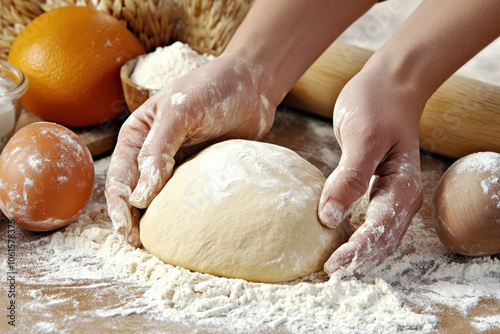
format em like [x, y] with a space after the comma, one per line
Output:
[229, 97]
[376, 124]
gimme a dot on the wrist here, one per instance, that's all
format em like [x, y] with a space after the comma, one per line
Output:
[261, 71]
[403, 74]
[435, 41]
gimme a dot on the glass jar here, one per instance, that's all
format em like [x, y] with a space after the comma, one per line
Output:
[13, 84]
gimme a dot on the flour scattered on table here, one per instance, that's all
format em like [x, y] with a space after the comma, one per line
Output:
[88, 250]
[486, 323]
[307, 305]
[87, 256]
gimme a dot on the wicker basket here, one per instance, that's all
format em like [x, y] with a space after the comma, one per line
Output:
[207, 24]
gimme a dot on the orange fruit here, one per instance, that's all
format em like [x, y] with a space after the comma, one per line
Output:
[72, 57]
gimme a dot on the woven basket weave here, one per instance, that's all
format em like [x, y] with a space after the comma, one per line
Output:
[207, 24]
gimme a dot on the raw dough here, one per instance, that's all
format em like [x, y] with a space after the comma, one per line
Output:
[242, 209]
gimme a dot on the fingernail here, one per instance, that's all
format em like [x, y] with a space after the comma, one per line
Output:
[332, 213]
[143, 193]
[151, 180]
[340, 270]
[334, 268]
[121, 219]
[139, 197]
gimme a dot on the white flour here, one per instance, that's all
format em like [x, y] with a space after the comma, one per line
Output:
[166, 64]
[89, 250]
[482, 162]
[421, 272]
[487, 166]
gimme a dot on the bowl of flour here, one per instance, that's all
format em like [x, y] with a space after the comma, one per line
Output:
[145, 75]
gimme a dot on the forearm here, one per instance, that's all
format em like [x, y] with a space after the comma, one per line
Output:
[287, 36]
[437, 39]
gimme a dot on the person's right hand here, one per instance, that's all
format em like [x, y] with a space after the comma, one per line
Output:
[225, 98]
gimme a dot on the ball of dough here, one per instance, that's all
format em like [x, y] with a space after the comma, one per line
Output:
[242, 209]
[466, 206]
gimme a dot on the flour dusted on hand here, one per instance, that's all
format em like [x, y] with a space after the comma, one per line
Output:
[166, 64]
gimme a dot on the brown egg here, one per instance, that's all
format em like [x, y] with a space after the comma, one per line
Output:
[466, 206]
[46, 177]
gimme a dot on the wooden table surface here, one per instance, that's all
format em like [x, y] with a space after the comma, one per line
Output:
[100, 139]
[309, 135]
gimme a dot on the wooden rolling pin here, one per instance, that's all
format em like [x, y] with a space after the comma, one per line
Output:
[462, 117]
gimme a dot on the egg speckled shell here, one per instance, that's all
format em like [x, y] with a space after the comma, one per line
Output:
[46, 177]
[466, 206]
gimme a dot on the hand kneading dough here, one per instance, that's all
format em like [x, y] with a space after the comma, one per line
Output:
[242, 209]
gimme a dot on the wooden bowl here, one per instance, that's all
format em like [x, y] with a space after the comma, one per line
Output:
[136, 95]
